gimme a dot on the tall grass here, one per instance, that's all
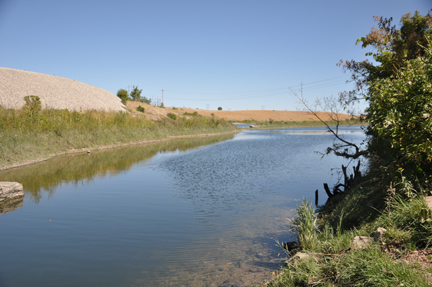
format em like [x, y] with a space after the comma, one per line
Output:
[372, 203]
[333, 263]
[32, 133]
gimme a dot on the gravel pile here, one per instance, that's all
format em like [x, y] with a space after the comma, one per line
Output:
[54, 92]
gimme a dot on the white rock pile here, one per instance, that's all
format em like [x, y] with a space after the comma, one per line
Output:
[54, 92]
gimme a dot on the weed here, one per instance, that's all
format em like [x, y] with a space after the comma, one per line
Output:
[172, 116]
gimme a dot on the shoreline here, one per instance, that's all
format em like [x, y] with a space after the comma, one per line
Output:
[105, 147]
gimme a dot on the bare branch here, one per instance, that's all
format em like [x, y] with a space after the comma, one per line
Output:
[330, 107]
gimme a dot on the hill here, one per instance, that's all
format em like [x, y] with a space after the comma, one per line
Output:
[253, 115]
[54, 92]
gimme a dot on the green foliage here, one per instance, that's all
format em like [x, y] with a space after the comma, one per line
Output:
[393, 48]
[174, 108]
[194, 114]
[332, 262]
[140, 109]
[123, 95]
[400, 113]
[219, 108]
[172, 116]
[33, 102]
[136, 94]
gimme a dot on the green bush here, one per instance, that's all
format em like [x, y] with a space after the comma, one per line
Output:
[140, 109]
[220, 109]
[172, 116]
[400, 114]
[123, 95]
[194, 114]
[33, 102]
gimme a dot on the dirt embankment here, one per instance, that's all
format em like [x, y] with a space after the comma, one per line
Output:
[255, 115]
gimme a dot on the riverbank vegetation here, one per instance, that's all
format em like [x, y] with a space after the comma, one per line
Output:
[387, 207]
[33, 133]
[272, 124]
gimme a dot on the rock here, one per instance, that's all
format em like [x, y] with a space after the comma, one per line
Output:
[379, 234]
[300, 255]
[361, 242]
[429, 201]
[10, 190]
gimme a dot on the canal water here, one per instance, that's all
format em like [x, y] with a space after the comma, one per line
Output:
[192, 212]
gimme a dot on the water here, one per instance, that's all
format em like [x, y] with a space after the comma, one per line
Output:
[194, 212]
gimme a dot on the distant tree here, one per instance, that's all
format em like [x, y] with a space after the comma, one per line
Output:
[220, 109]
[136, 94]
[145, 100]
[123, 95]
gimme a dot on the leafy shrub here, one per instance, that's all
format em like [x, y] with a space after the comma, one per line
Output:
[172, 116]
[33, 102]
[194, 114]
[140, 109]
[400, 113]
[123, 95]
[174, 108]
[219, 108]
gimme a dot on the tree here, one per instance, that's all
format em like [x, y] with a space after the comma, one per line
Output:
[393, 48]
[398, 88]
[219, 108]
[400, 114]
[136, 94]
[123, 95]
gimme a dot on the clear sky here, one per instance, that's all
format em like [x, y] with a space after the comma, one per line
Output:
[236, 54]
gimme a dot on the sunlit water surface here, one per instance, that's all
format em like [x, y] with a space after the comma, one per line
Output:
[195, 212]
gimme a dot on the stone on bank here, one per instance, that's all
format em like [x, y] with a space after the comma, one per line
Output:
[10, 190]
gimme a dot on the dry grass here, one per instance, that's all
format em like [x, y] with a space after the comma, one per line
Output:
[254, 115]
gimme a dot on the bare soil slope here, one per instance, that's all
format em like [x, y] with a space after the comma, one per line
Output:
[254, 115]
[54, 92]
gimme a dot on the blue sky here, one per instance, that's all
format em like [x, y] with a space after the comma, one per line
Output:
[236, 54]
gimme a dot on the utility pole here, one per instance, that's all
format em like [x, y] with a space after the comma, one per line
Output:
[162, 97]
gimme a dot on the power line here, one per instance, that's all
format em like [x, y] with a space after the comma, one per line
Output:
[272, 92]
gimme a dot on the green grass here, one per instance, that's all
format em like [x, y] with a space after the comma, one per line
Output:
[372, 203]
[32, 134]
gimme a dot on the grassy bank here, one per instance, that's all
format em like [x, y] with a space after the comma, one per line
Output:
[401, 257]
[295, 124]
[33, 133]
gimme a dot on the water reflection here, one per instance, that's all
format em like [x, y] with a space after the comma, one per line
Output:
[257, 163]
[205, 217]
[11, 205]
[82, 169]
